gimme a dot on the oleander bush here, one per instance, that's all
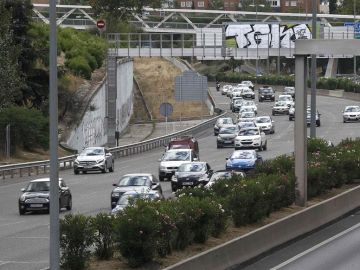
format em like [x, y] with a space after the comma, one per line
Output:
[76, 238]
[103, 225]
[149, 229]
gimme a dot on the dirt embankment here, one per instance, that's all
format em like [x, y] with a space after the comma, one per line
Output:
[156, 77]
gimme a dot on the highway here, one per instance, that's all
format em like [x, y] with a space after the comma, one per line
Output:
[24, 240]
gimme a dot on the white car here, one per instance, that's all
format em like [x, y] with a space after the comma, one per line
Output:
[247, 117]
[221, 122]
[250, 103]
[247, 109]
[280, 107]
[225, 89]
[287, 99]
[248, 93]
[251, 138]
[351, 113]
[236, 92]
[236, 105]
[266, 124]
[172, 159]
[94, 159]
[248, 84]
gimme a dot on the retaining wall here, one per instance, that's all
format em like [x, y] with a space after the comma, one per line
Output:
[92, 130]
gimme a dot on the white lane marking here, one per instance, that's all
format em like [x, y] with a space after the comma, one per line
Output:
[13, 223]
[302, 254]
[3, 263]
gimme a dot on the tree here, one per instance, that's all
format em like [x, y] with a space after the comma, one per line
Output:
[332, 6]
[216, 4]
[234, 63]
[122, 9]
[256, 5]
[347, 7]
[10, 81]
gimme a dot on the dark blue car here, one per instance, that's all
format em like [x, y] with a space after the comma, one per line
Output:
[243, 160]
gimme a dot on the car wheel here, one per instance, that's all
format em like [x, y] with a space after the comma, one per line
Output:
[84, 172]
[111, 169]
[344, 121]
[218, 146]
[318, 124]
[103, 170]
[273, 113]
[161, 178]
[76, 171]
[69, 206]
[22, 211]
[260, 148]
[173, 189]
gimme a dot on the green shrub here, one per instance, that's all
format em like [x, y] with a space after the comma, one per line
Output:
[136, 231]
[79, 66]
[283, 164]
[103, 238]
[29, 129]
[76, 238]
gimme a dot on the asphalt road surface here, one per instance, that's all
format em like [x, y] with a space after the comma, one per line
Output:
[24, 240]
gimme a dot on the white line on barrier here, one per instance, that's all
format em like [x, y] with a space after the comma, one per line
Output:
[302, 254]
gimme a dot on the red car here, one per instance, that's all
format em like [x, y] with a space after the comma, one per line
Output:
[184, 142]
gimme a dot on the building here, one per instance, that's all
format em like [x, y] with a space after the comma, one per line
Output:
[297, 6]
[231, 4]
[275, 4]
[193, 4]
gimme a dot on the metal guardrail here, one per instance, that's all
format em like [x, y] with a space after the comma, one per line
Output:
[42, 167]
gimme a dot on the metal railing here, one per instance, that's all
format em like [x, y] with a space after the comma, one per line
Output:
[42, 167]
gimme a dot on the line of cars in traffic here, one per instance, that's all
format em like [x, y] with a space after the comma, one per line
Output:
[180, 163]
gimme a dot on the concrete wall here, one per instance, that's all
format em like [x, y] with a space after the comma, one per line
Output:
[124, 101]
[93, 128]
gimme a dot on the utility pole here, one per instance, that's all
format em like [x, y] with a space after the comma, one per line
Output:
[355, 36]
[54, 170]
[313, 75]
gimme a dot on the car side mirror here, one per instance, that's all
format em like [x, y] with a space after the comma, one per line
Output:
[23, 190]
[259, 157]
[159, 159]
[154, 185]
[226, 158]
[195, 159]
[114, 184]
[272, 121]
[108, 154]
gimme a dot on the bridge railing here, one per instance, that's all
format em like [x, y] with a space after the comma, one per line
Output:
[42, 167]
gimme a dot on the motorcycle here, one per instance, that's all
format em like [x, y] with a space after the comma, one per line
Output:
[217, 86]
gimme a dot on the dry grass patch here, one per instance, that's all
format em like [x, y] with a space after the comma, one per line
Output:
[156, 77]
[231, 233]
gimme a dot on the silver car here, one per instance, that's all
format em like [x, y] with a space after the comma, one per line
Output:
[94, 159]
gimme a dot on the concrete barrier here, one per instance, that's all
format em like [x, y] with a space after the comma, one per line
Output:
[250, 245]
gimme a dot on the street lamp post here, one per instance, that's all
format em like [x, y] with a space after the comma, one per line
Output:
[355, 73]
[313, 76]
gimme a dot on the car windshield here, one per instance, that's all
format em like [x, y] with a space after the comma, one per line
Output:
[247, 91]
[285, 98]
[352, 109]
[92, 152]
[243, 155]
[280, 104]
[289, 89]
[249, 103]
[246, 124]
[191, 167]
[265, 91]
[249, 132]
[176, 156]
[263, 120]
[127, 198]
[238, 101]
[247, 109]
[228, 130]
[38, 186]
[247, 115]
[138, 180]
[226, 121]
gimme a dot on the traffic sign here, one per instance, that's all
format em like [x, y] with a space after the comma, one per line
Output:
[100, 24]
[356, 26]
[166, 109]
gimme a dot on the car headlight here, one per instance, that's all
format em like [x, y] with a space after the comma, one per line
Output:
[262, 96]
[219, 138]
[174, 178]
[272, 95]
[22, 198]
[257, 139]
[115, 194]
[162, 168]
[100, 161]
[76, 161]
